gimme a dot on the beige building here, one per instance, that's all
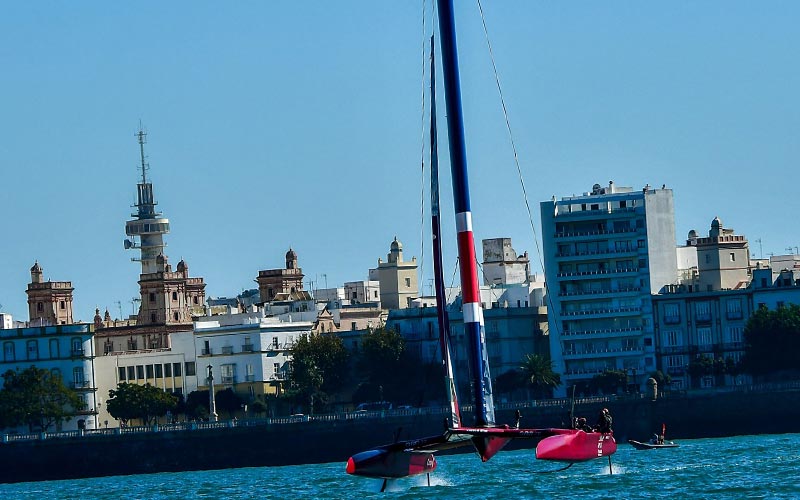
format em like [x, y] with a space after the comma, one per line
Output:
[274, 282]
[398, 278]
[49, 302]
[170, 298]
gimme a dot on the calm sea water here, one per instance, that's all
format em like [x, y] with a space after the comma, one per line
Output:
[741, 467]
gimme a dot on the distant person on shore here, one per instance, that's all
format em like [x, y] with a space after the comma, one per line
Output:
[604, 421]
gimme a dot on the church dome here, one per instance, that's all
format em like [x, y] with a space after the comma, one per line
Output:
[396, 245]
[36, 267]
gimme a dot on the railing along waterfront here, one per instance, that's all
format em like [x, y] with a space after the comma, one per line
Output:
[366, 415]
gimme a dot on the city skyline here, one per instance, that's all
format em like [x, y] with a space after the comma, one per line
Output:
[237, 103]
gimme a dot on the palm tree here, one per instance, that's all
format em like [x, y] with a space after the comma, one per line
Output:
[537, 374]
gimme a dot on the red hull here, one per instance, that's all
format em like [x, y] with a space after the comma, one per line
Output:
[576, 446]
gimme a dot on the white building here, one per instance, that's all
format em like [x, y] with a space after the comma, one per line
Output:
[605, 253]
[247, 352]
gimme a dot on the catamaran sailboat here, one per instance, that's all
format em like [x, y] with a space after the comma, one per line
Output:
[417, 456]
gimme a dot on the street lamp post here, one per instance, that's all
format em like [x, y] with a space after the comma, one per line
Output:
[212, 405]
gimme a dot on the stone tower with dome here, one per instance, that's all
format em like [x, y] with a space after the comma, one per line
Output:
[398, 278]
[285, 283]
[49, 302]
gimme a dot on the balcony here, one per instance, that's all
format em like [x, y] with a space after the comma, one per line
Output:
[679, 349]
[597, 232]
[676, 370]
[249, 378]
[597, 272]
[206, 352]
[602, 353]
[703, 318]
[729, 346]
[228, 349]
[603, 213]
[602, 311]
[77, 353]
[80, 384]
[581, 293]
[598, 253]
[603, 333]
[247, 347]
[672, 320]
[734, 315]
[278, 376]
[230, 380]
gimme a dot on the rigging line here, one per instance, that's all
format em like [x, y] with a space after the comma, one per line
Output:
[516, 156]
[424, 60]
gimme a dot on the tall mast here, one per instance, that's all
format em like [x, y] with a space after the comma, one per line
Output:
[470, 290]
[438, 271]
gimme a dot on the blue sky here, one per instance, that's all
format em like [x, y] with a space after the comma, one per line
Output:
[277, 124]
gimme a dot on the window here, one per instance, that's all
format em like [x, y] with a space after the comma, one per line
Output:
[734, 308]
[648, 341]
[63, 305]
[733, 257]
[275, 342]
[672, 314]
[152, 317]
[672, 338]
[39, 306]
[33, 350]
[149, 371]
[195, 300]
[176, 369]
[702, 311]
[375, 294]
[735, 334]
[131, 373]
[174, 295]
[121, 373]
[276, 368]
[140, 372]
[355, 295]
[77, 346]
[8, 351]
[54, 351]
[175, 315]
[77, 376]
[152, 297]
[353, 325]
[408, 282]
[167, 370]
[640, 243]
[704, 337]
[228, 373]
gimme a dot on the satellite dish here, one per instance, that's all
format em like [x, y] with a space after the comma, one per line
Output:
[128, 244]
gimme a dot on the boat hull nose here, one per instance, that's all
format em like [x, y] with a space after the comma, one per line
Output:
[576, 446]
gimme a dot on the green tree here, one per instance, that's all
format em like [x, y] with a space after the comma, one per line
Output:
[133, 401]
[196, 406]
[508, 382]
[228, 401]
[538, 375]
[772, 340]
[37, 398]
[381, 355]
[320, 366]
[610, 381]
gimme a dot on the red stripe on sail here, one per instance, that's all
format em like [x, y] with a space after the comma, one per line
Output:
[466, 251]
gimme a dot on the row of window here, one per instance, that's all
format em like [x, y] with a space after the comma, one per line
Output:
[155, 371]
[32, 352]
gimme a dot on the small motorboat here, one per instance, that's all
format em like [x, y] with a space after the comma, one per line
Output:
[651, 446]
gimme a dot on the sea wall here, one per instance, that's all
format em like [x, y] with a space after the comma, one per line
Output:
[252, 444]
